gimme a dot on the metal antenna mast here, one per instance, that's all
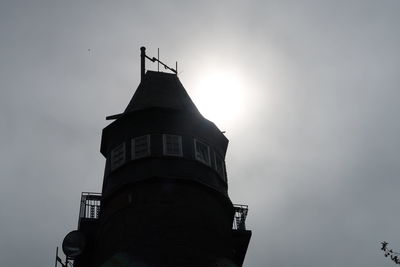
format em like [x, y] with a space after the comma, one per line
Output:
[143, 56]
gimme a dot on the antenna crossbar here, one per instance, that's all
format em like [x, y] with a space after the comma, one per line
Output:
[153, 59]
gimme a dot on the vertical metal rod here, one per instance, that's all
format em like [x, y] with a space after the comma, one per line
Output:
[142, 62]
[176, 67]
[158, 59]
[55, 265]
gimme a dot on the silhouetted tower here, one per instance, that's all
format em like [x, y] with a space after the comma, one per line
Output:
[164, 200]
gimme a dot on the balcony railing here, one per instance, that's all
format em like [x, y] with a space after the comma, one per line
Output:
[90, 205]
[240, 216]
[90, 209]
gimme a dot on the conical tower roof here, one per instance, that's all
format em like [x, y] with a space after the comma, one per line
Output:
[161, 90]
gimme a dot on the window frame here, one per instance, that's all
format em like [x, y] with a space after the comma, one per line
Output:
[133, 147]
[165, 151]
[223, 174]
[208, 152]
[115, 152]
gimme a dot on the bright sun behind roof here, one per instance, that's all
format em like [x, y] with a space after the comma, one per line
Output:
[219, 96]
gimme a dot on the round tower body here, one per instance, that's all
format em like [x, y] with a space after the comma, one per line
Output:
[164, 196]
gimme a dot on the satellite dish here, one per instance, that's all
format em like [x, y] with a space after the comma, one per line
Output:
[74, 243]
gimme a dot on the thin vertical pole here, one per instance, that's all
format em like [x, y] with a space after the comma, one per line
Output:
[55, 265]
[176, 67]
[158, 59]
[142, 62]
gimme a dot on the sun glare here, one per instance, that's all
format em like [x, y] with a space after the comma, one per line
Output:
[219, 96]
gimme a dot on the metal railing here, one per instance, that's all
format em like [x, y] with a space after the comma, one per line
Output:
[90, 205]
[240, 217]
[90, 209]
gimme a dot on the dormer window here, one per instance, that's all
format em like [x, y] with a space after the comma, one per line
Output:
[172, 145]
[118, 156]
[202, 152]
[220, 166]
[141, 147]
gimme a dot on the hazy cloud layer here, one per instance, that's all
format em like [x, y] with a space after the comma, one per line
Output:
[314, 153]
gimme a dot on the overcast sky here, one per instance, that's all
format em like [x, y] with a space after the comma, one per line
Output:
[314, 142]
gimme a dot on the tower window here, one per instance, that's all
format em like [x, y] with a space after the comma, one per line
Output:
[172, 145]
[202, 152]
[118, 156]
[141, 147]
[220, 166]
